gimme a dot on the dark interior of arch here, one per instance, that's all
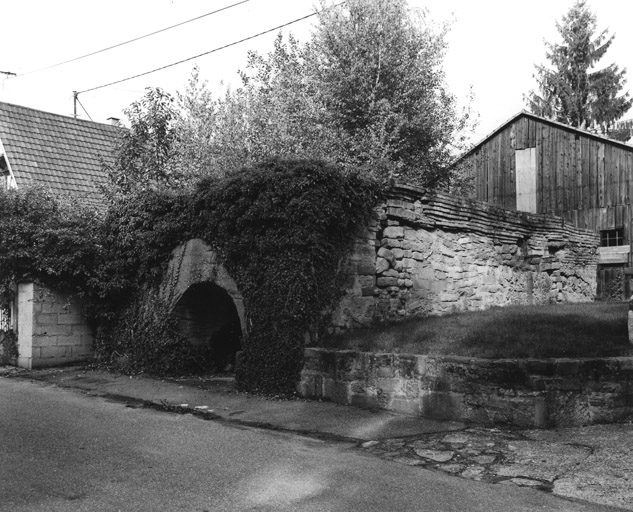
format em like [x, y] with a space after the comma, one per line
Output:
[207, 315]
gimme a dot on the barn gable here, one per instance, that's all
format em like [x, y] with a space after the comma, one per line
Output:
[541, 166]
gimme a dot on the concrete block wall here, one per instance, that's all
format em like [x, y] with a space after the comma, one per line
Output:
[51, 328]
[525, 393]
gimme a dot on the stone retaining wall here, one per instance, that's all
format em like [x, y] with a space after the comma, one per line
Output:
[526, 393]
[429, 254]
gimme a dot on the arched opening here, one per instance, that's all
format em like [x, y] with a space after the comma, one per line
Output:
[207, 315]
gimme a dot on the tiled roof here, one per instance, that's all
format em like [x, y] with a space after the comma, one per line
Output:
[59, 152]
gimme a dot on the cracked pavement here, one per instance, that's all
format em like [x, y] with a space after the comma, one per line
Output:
[593, 463]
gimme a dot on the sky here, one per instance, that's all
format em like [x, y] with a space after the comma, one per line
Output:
[493, 46]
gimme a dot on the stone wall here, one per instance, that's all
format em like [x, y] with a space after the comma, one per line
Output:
[526, 393]
[432, 254]
[51, 328]
[193, 263]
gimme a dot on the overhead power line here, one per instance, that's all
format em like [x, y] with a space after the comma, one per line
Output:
[133, 40]
[202, 54]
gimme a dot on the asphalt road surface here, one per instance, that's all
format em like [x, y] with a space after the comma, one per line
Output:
[61, 450]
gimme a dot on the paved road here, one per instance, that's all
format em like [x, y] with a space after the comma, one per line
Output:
[61, 450]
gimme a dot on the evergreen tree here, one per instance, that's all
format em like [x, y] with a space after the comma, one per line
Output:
[572, 91]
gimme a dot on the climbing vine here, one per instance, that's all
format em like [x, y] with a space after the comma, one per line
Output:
[282, 229]
[8, 347]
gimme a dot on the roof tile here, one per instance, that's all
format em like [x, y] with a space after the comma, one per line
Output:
[57, 151]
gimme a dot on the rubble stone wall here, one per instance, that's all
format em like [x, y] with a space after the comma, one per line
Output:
[429, 254]
[526, 393]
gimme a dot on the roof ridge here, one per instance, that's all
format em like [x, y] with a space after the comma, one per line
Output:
[60, 152]
[563, 126]
[65, 117]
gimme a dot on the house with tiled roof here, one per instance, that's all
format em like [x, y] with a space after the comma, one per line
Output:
[65, 155]
[59, 152]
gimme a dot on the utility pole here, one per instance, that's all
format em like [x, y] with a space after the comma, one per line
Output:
[75, 99]
[8, 74]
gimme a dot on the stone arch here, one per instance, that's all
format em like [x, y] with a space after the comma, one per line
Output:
[205, 300]
[208, 317]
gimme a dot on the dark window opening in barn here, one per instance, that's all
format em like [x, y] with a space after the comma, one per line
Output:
[207, 316]
[612, 237]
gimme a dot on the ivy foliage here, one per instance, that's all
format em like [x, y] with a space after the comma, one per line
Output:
[8, 347]
[46, 238]
[282, 229]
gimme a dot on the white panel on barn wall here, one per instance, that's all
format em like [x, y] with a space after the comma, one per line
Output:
[526, 179]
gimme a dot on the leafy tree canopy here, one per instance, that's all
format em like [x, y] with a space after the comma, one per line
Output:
[366, 91]
[146, 154]
[573, 90]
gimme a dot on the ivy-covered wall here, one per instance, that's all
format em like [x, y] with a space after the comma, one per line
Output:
[280, 229]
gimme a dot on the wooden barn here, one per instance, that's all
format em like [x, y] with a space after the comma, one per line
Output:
[537, 165]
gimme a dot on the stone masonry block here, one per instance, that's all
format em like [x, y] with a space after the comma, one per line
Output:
[46, 319]
[54, 307]
[73, 339]
[447, 406]
[392, 386]
[393, 232]
[52, 330]
[384, 282]
[412, 388]
[365, 401]
[421, 365]
[81, 329]
[74, 319]
[336, 391]
[406, 406]
[311, 358]
[565, 384]
[82, 352]
[406, 365]
[567, 367]
[55, 352]
[44, 341]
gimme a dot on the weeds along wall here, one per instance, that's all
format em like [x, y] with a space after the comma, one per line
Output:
[429, 254]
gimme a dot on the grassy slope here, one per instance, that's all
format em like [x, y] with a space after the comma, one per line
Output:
[566, 330]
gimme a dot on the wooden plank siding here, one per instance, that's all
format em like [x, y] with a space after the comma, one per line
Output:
[583, 178]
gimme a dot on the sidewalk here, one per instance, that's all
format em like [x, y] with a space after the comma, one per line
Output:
[589, 463]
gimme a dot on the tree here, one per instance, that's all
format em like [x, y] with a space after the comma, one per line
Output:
[571, 91]
[145, 154]
[378, 65]
[367, 90]
[274, 113]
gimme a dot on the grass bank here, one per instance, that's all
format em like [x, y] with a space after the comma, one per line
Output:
[565, 330]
